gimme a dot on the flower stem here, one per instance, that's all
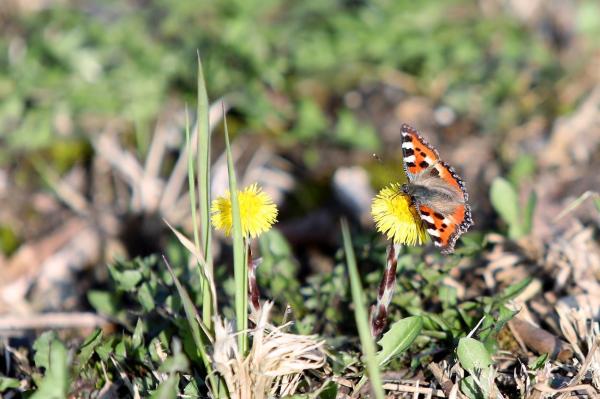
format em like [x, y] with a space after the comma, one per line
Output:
[379, 312]
[253, 292]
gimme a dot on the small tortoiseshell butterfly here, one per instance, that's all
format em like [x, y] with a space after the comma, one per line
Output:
[436, 191]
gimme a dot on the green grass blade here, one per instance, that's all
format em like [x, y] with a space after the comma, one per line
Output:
[360, 313]
[239, 258]
[204, 189]
[190, 314]
[206, 299]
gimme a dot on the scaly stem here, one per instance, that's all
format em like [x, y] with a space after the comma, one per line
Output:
[379, 312]
[253, 292]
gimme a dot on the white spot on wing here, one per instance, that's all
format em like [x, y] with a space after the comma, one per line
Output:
[407, 144]
[433, 232]
[428, 219]
[410, 159]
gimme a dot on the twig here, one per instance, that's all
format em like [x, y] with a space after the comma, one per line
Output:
[445, 382]
[52, 320]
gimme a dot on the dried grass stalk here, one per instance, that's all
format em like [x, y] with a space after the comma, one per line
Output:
[276, 361]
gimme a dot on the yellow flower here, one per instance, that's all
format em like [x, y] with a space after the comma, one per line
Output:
[257, 212]
[396, 218]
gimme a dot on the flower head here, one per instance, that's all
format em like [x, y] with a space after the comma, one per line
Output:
[396, 218]
[257, 212]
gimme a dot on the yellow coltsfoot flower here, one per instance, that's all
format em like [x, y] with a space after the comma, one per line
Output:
[257, 212]
[395, 217]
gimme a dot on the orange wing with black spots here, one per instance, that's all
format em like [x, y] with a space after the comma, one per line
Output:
[417, 153]
[445, 229]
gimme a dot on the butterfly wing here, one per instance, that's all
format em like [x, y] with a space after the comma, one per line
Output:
[419, 155]
[445, 229]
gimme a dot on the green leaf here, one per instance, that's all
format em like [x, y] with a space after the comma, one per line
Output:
[472, 354]
[41, 346]
[125, 280]
[362, 319]
[86, 350]
[104, 302]
[55, 383]
[515, 289]
[138, 335]
[468, 386]
[539, 363]
[398, 338]
[145, 297]
[167, 389]
[191, 314]
[505, 201]
[175, 363]
[528, 213]
[7, 383]
[522, 169]
[105, 349]
[474, 357]
[191, 389]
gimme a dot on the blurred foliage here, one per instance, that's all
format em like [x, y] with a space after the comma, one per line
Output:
[505, 200]
[155, 344]
[72, 69]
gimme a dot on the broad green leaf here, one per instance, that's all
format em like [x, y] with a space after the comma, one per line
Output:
[472, 354]
[474, 357]
[398, 338]
[41, 346]
[55, 383]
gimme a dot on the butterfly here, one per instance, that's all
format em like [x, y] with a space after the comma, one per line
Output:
[435, 190]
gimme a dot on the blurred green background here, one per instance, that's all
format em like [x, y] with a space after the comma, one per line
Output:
[303, 74]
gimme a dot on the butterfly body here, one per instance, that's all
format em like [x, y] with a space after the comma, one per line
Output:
[436, 191]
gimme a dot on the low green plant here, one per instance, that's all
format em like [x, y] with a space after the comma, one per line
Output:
[505, 200]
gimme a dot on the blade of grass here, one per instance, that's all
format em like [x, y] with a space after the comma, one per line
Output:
[194, 206]
[189, 245]
[360, 313]
[190, 314]
[239, 258]
[204, 187]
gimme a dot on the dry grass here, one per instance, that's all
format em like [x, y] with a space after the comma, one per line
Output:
[275, 364]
